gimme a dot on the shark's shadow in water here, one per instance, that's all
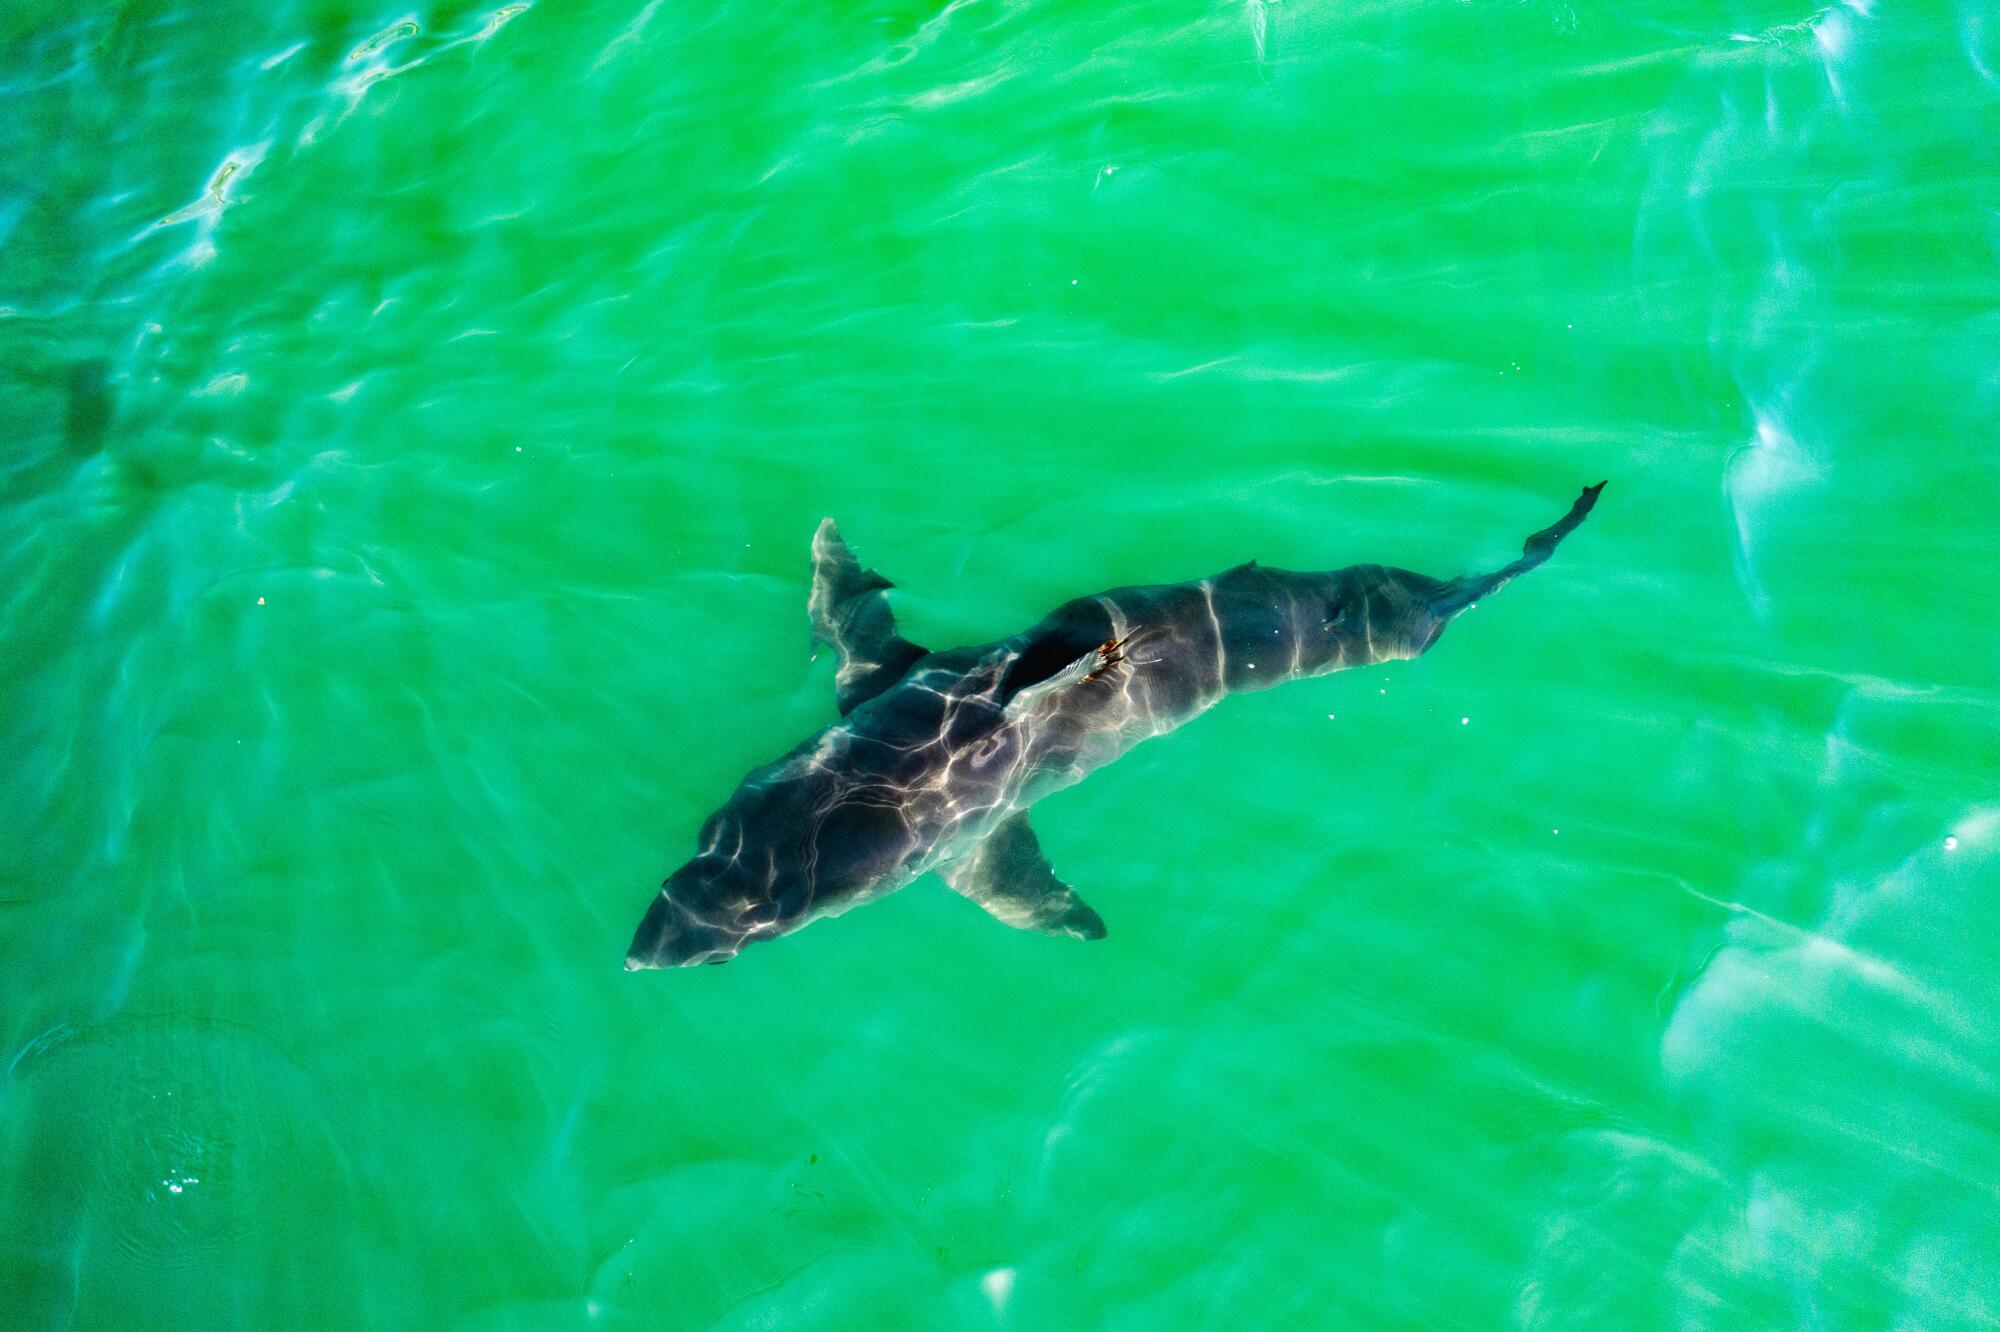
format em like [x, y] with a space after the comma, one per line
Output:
[938, 755]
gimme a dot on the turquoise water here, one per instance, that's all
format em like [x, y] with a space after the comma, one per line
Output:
[414, 423]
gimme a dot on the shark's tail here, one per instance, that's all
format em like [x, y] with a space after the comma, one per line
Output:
[1462, 592]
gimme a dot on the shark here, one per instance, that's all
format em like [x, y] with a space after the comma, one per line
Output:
[938, 757]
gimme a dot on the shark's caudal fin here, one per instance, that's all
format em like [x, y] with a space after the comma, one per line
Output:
[1008, 875]
[850, 613]
[1462, 592]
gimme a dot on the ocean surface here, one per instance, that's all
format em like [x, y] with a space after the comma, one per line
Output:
[412, 426]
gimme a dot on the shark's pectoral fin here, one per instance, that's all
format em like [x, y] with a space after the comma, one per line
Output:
[1008, 876]
[850, 613]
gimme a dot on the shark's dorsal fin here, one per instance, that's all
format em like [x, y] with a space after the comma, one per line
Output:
[850, 614]
[1008, 875]
[1088, 670]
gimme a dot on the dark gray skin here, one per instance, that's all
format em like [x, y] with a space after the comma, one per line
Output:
[939, 755]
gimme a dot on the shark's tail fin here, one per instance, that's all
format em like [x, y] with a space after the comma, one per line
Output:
[1462, 592]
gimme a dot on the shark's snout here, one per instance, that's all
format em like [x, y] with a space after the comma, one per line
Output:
[672, 936]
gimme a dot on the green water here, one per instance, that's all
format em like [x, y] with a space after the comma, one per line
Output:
[412, 423]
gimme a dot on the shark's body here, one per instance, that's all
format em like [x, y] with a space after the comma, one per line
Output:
[938, 755]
